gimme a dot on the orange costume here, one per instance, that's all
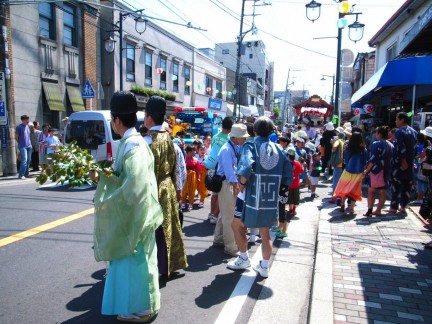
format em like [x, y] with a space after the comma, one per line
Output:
[202, 190]
[193, 167]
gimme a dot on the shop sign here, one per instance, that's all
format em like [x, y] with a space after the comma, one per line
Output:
[215, 104]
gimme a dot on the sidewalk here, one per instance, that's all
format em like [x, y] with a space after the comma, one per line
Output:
[371, 270]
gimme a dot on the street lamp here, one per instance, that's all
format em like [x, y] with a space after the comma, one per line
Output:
[355, 33]
[333, 85]
[140, 27]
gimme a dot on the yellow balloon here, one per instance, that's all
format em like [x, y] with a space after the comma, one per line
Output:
[344, 7]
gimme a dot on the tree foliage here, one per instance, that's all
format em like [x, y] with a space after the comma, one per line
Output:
[72, 164]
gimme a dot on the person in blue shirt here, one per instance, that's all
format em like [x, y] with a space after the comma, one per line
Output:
[405, 146]
[22, 136]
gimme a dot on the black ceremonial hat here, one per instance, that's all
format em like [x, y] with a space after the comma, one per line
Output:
[156, 106]
[123, 103]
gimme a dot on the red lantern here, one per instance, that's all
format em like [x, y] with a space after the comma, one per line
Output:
[368, 108]
[357, 111]
[159, 70]
[208, 89]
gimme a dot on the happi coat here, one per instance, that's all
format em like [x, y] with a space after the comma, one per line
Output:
[266, 167]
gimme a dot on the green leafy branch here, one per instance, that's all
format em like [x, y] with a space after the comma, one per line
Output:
[72, 164]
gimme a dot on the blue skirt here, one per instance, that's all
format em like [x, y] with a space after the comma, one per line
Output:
[127, 285]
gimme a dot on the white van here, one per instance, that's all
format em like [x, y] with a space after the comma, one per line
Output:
[92, 131]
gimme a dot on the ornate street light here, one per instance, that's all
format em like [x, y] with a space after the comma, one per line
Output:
[110, 43]
[313, 10]
[355, 33]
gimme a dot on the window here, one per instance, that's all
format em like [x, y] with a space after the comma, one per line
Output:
[175, 76]
[225, 51]
[130, 62]
[252, 100]
[187, 79]
[163, 65]
[148, 68]
[251, 56]
[209, 86]
[46, 20]
[219, 89]
[69, 21]
[391, 52]
[163, 74]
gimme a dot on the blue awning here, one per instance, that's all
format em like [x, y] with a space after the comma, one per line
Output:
[401, 72]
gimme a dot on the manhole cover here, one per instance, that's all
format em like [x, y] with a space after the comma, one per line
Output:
[354, 249]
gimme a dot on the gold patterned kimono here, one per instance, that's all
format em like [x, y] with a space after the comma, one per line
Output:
[169, 238]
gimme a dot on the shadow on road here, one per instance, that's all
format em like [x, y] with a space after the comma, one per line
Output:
[90, 302]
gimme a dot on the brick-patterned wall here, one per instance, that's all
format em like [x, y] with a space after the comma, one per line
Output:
[90, 33]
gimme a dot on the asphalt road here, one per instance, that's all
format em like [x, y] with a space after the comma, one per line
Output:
[52, 277]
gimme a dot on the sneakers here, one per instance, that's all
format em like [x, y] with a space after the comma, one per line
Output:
[183, 206]
[213, 220]
[263, 272]
[275, 229]
[239, 264]
[200, 205]
[190, 207]
[253, 238]
[281, 234]
[210, 215]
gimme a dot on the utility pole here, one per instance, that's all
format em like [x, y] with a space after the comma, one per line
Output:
[8, 144]
[237, 73]
[284, 108]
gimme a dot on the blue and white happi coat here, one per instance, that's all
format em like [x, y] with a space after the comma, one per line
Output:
[266, 168]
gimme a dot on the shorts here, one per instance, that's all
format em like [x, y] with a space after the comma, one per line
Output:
[314, 181]
[304, 175]
[238, 211]
[421, 186]
[294, 196]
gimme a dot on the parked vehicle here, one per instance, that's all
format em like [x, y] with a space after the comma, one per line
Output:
[195, 121]
[92, 131]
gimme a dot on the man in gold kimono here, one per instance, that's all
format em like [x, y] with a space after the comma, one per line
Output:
[169, 237]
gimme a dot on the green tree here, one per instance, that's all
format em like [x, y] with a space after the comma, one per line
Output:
[276, 112]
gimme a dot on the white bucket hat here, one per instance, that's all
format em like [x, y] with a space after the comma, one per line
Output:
[239, 131]
[329, 126]
[347, 125]
[427, 131]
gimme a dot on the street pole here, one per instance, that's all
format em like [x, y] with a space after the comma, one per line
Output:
[338, 64]
[9, 155]
[237, 75]
[121, 49]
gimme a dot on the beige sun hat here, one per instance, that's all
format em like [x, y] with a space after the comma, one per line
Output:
[239, 131]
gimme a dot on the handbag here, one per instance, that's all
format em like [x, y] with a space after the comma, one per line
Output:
[335, 157]
[377, 180]
[213, 181]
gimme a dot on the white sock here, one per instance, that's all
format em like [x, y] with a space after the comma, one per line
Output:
[244, 255]
[264, 263]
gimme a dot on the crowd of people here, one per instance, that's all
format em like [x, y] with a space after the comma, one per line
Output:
[139, 210]
[35, 146]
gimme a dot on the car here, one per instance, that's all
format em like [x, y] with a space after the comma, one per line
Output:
[92, 131]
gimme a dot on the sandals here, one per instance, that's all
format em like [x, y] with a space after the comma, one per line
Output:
[368, 214]
[135, 318]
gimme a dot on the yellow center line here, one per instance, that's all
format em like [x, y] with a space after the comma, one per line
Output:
[45, 227]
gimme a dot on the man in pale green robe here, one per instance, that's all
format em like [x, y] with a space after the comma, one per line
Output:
[127, 215]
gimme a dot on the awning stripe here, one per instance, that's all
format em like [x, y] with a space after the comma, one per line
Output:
[53, 96]
[75, 98]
